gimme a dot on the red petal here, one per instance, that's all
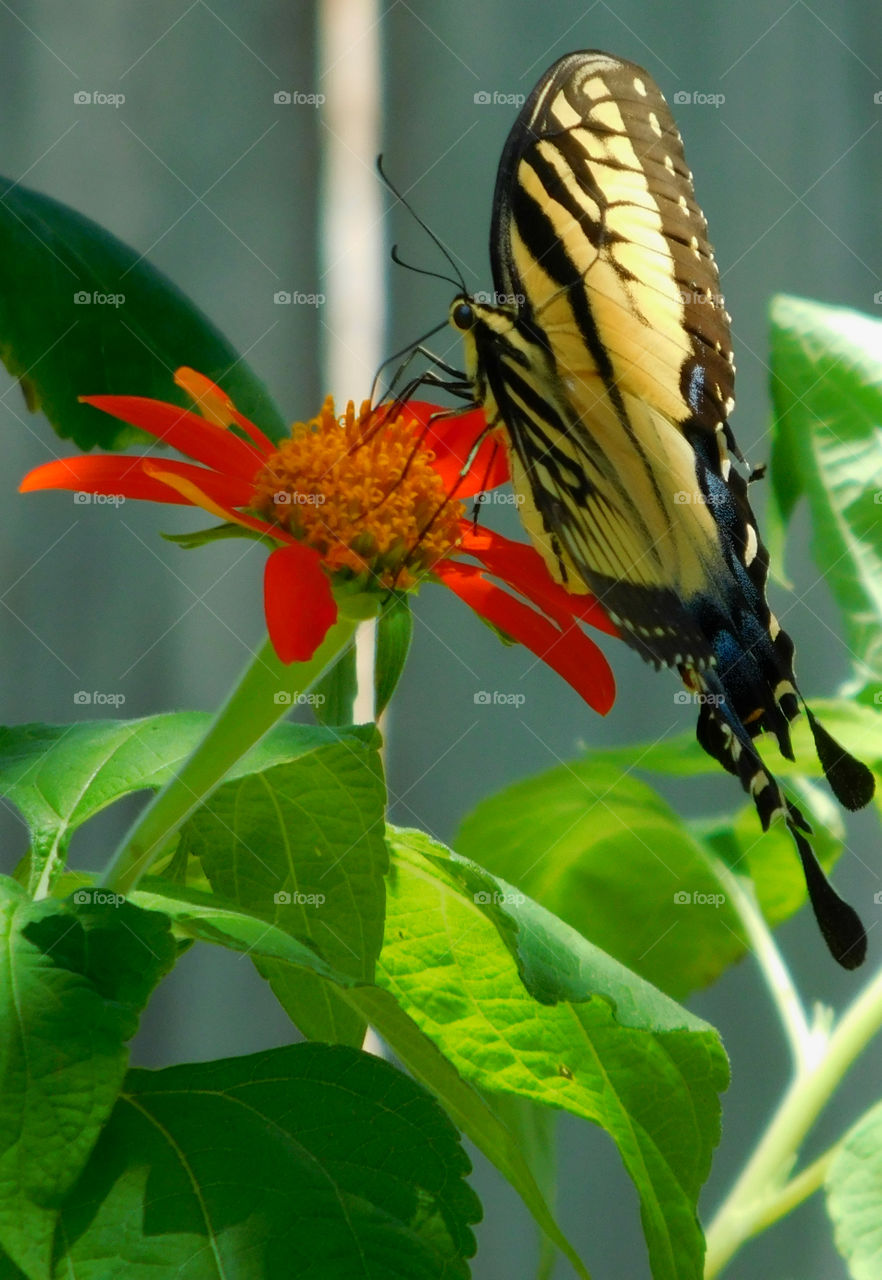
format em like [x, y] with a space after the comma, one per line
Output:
[187, 480]
[214, 446]
[452, 440]
[521, 565]
[569, 652]
[263, 442]
[299, 606]
[127, 476]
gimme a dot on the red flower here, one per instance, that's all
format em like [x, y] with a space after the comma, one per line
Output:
[357, 504]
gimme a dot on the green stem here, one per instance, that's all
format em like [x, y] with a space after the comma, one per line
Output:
[806, 1041]
[262, 696]
[746, 1209]
[797, 1189]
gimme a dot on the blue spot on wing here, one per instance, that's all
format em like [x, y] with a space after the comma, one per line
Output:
[695, 389]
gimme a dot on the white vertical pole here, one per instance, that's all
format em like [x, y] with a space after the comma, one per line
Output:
[352, 258]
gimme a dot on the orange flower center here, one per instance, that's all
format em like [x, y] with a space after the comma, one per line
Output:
[362, 491]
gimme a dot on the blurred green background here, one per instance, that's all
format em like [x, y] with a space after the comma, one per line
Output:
[217, 184]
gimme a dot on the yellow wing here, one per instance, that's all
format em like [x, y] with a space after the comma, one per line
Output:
[596, 227]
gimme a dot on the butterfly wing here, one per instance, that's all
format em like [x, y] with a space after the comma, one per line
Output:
[596, 225]
[612, 376]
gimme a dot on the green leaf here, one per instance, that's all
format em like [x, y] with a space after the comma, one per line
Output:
[212, 920]
[74, 976]
[604, 852]
[58, 776]
[394, 632]
[854, 1196]
[215, 533]
[475, 1114]
[61, 348]
[207, 918]
[61, 775]
[522, 1004]
[332, 1164]
[827, 392]
[8, 1269]
[333, 696]
[302, 846]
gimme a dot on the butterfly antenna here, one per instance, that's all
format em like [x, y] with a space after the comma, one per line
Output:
[459, 282]
[421, 271]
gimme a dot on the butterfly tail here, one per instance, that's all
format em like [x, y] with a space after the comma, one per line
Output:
[839, 923]
[851, 782]
[724, 737]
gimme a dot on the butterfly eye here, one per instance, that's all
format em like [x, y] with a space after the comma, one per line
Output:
[463, 315]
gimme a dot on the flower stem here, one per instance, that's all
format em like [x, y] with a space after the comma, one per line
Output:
[760, 1189]
[797, 1189]
[262, 696]
[806, 1041]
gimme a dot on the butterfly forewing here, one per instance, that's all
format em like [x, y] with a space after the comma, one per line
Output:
[595, 372]
[596, 226]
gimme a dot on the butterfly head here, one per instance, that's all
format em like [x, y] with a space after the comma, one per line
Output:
[480, 316]
[463, 317]
[462, 314]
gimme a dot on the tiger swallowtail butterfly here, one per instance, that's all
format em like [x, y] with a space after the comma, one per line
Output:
[606, 369]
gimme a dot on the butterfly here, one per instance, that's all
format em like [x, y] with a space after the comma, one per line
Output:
[605, 365]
